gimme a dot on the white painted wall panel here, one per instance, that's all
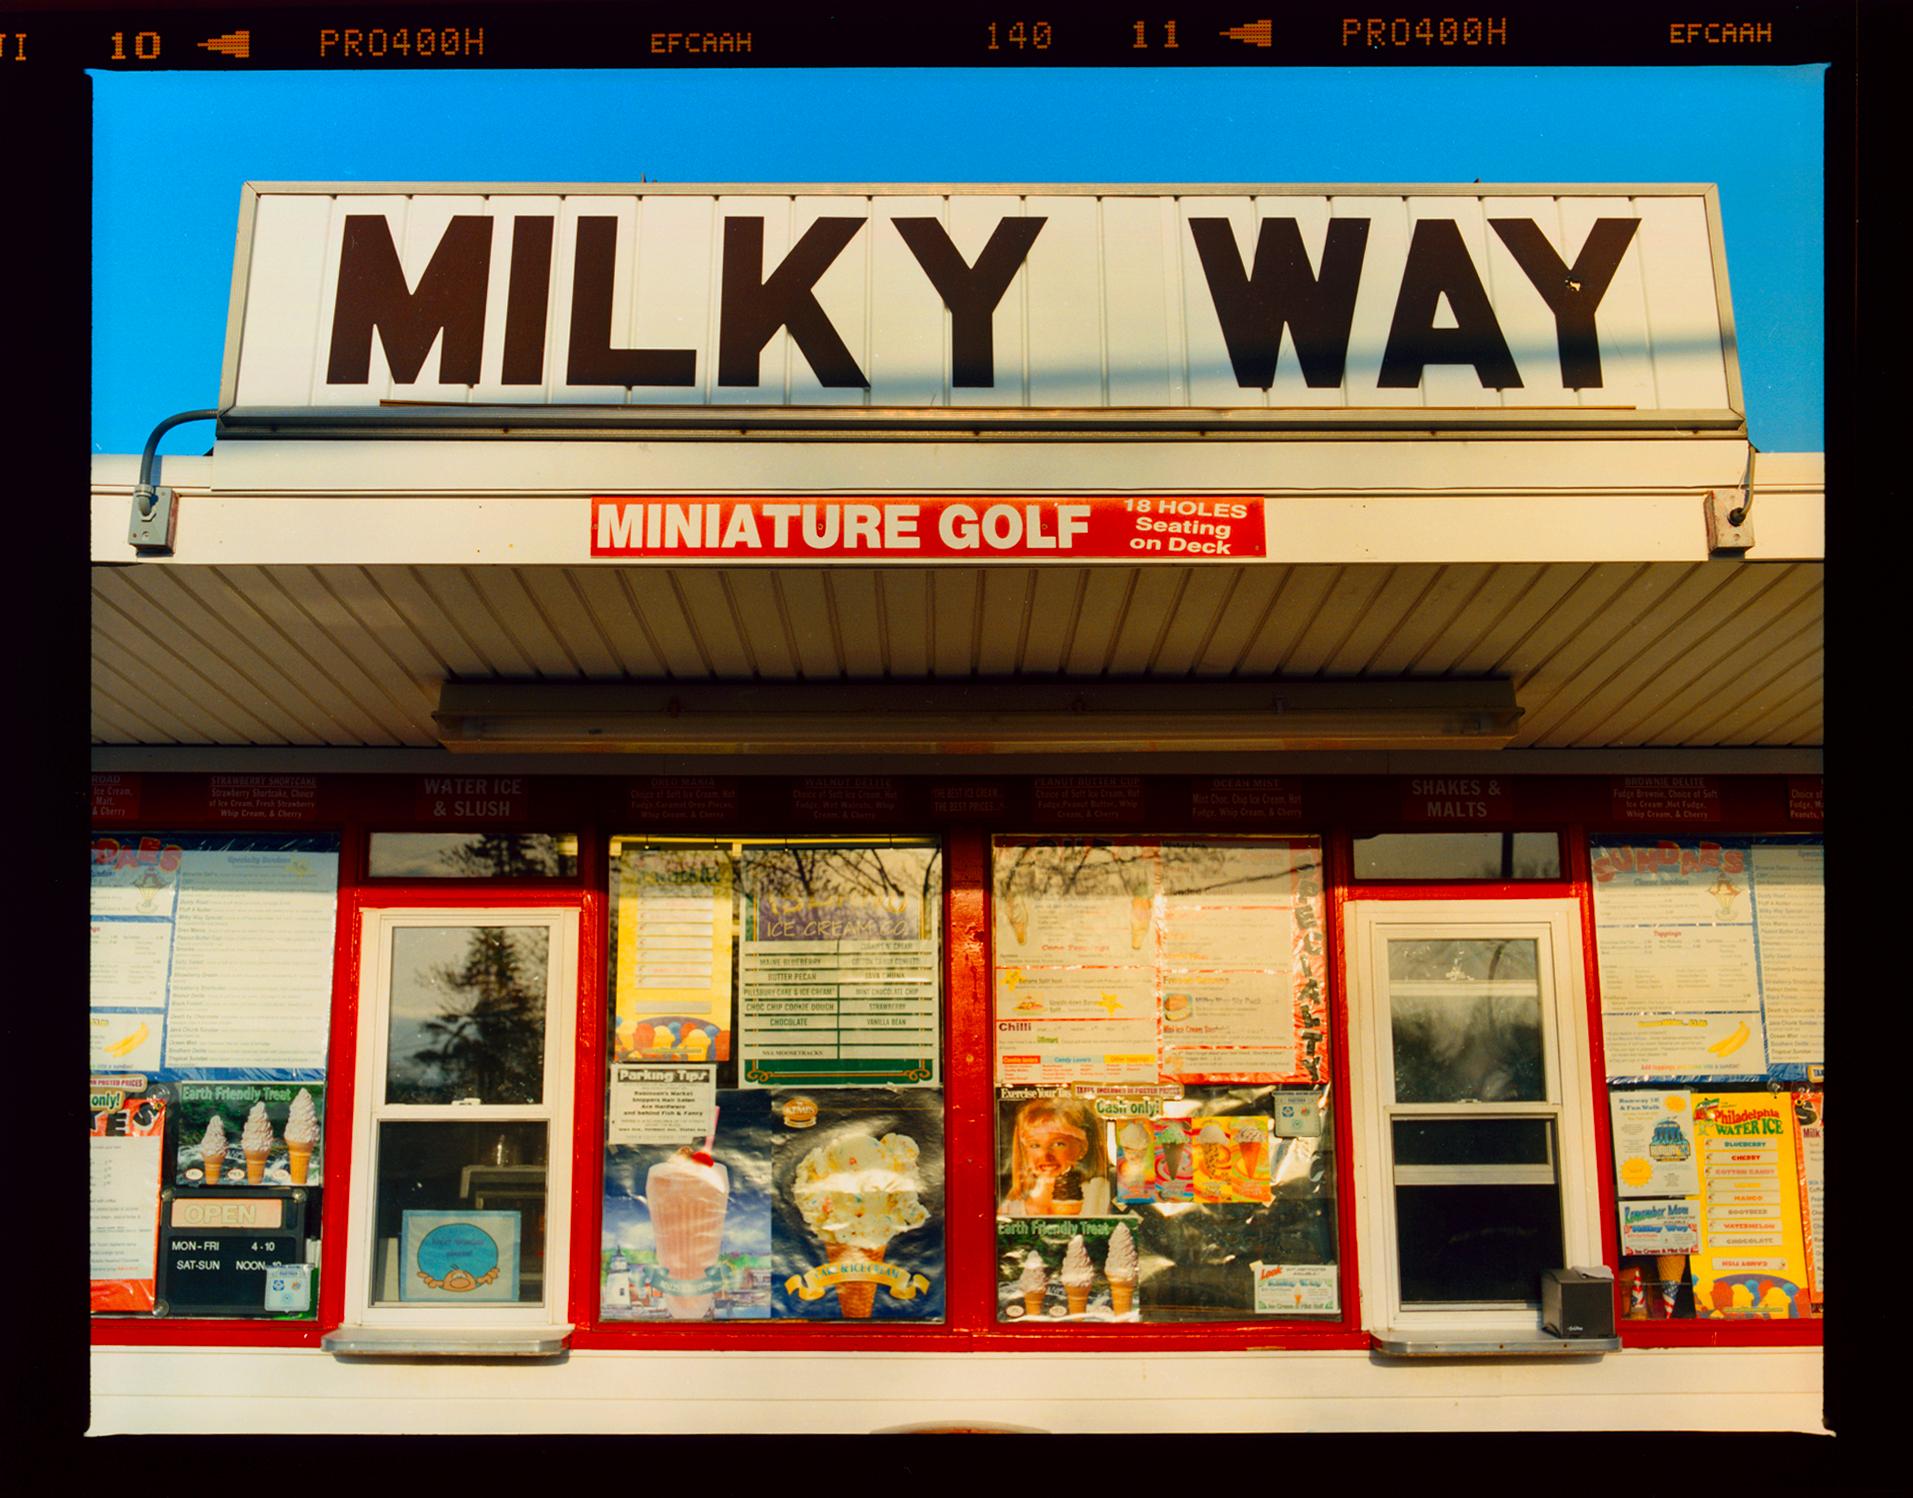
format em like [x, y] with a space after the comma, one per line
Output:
[154, 1390]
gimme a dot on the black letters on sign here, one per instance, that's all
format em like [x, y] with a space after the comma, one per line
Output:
[1279, 290]
[593, 360]
[525, 300]
[755, 308]
[1572, 293]
[1438, 263]
[372, 294]
[971, 292]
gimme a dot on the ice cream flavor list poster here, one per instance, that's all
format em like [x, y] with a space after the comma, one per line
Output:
[840, 988]
[673, 994]
[211, 954]
[1712, 957]
[1752, 1260]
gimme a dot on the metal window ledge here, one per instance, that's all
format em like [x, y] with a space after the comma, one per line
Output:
[1534, 1344]
[447, 1342]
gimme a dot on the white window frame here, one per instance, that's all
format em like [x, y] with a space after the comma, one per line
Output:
[370, 1109]
[1555, 925]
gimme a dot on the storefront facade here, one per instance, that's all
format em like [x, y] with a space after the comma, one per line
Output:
[746, 751]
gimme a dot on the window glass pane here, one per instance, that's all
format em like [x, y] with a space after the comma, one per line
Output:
[1476, 1243]
[468, 1014]
[794, 988]
[1458, 855]
[1163, 1149]
[490, 1179]
[472, 855]
[1465, 1019]
[1472, 1141]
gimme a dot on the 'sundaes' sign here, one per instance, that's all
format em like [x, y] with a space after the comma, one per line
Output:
[927, 526]
[1572, 303]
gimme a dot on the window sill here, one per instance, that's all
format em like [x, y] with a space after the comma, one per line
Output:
[447, 1342]
[1488, 1344]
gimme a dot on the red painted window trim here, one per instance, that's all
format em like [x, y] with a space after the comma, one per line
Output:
[366, 803]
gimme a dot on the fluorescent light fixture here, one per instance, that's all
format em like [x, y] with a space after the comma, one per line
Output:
[1065, 717]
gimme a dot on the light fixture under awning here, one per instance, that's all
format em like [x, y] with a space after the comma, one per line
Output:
[972, 718]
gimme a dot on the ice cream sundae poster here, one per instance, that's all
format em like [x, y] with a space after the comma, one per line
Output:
[1654, 1143]
[673, 914]
[467, 1257]
[233, 1134]
[683, 1240]
[1712, 956]
[858, 1228]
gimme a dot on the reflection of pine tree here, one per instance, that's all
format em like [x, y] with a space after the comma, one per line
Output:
[488, 1039]
[505, 855]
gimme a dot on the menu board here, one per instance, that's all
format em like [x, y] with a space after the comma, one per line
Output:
[1150, 962]
[212, 955]
[838, 966]
[1161, 1046]
[1712, 958]
[1752, 1260]
[673, 987]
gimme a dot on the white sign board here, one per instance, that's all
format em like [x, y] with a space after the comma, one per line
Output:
[1548, 305]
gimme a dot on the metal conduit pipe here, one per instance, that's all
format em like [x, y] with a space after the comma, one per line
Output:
[151, 526]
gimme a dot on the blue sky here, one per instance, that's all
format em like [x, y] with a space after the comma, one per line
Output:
[172, 150]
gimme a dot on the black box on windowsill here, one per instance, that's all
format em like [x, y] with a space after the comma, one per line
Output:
[1578, 1302]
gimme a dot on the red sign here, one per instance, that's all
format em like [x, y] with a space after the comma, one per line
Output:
[844, 798]
[1457, 798]
[1225, 799]
[471, 798]
[964, 527]
[1806, 799]
[115, 798]
[1666, 798]
[1086, 800]
[263, 798]
[966, 800]
[703, 799]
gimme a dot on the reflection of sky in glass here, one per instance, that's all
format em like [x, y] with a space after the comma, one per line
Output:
[419, 954]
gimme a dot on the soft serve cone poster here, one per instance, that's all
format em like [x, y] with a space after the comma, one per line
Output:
[858, 1226]
[687, 1233]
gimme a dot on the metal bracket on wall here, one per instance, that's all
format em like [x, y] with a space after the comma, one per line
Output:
[1730, 523]
[155, 518]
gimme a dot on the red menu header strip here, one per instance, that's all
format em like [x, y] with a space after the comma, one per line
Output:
[908, 527]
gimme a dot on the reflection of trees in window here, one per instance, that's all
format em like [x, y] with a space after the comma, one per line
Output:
[908, 879]
[1188, 870]
[487, 1039]
[507, 855]
[1463, 1044]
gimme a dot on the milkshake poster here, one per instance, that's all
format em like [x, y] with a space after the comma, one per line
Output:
[858, 1221]
[687, 1232]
